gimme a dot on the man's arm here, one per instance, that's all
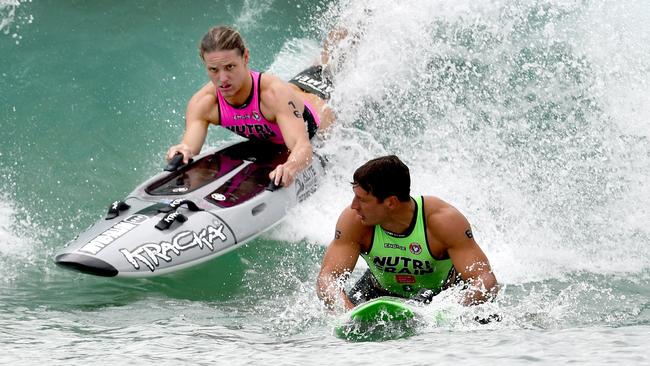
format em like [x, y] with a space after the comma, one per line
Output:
[453, 229]
[285, 107]
[197, 120]
[339, 261]
[334, 37]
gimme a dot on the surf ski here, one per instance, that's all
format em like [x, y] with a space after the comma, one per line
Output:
[191, 213]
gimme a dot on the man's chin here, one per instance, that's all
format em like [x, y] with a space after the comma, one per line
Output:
[365, 222]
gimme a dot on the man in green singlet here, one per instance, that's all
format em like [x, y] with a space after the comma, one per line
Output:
[415, 247]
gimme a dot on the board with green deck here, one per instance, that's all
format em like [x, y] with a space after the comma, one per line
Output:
[379, 319]
[386, 318]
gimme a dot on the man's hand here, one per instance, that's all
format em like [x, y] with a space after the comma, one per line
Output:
[180, 148]
[339, 260]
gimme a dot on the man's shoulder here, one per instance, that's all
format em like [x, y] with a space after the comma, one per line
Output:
[350, 217]
[445, 222]
[350, 220]
[350, 227]
[440, 213]
[433, 204]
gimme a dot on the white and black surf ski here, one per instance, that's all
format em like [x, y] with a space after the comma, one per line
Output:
[191, 213]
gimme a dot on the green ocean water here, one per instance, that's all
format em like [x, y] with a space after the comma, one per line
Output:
[533, 118]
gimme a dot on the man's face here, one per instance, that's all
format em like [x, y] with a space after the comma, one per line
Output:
[228, 70]
[368, 207]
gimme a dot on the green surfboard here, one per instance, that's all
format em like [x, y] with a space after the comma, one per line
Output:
[380, 319]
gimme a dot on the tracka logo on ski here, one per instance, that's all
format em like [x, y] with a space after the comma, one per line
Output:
[150, 254]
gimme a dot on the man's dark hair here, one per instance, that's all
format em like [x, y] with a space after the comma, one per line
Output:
[384, 177]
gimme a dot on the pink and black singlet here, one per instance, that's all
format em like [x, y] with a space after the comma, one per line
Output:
[248, 121]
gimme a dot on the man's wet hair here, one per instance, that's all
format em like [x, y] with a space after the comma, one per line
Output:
[221, 38]
[384, 177]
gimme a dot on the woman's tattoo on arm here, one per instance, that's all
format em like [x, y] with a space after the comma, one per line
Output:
[295, 110]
